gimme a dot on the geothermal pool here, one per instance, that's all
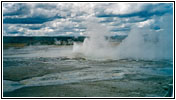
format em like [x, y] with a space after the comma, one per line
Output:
[57, 71]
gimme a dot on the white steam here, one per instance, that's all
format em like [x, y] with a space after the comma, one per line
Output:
[95, 45]
[141, 43]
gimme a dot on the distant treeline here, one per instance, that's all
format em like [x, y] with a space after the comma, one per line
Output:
[31, 40]
[51, 40]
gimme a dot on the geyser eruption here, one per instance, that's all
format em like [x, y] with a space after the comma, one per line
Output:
[95, 46]
[142, 43]
[149, 44]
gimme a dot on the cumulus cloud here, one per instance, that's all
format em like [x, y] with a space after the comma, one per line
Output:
[71, 18]
[133, 9]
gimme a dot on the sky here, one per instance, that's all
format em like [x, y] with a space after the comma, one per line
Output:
[55, 19]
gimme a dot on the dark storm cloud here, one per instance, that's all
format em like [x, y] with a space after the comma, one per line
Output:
[145, 14]
[29, 20]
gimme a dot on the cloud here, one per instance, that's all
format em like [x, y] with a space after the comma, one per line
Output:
[71, 18]
[132, 10]
[29, 20]
[121, 29]
[20, 13]
[10, 9]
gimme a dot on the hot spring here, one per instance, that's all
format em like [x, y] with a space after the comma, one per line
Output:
[139, 65]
